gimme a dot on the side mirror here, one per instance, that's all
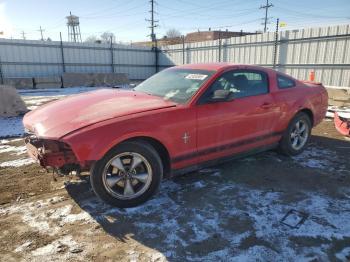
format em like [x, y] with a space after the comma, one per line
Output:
[220, 96]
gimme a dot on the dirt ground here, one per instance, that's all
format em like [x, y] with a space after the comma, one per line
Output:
[230, 212]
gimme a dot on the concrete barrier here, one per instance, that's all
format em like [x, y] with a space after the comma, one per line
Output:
[77, 79]
[94, 79]
[110, 79]
[48, 82]
[332, 102]
[338, 96]
[19, 82]
[11, 104]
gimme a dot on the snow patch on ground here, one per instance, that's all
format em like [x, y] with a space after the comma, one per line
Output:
[317, 157]
[64, 215]
[198, 184]
[55, 91]
[14, 150]
[24, 246]
[11, 127]
[343, 111]
[55, 247]
[45, 216]
[17, 162]
[151, 255]
[344, 255]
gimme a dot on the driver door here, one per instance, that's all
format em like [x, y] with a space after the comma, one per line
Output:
[243, 122]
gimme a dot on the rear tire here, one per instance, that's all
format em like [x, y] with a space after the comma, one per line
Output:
[296, 136]
[128, 175]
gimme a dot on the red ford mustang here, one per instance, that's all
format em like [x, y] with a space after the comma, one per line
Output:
[179, 120]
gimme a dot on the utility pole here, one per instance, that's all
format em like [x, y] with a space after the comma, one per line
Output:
[276, 43]
[112, 54]
[62, 54]
[153, 35]
[266, 7]
[23, 35]
[41, 33]
[152, 21]
[1, 74]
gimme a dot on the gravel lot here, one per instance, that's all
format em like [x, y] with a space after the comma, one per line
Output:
[265, 207]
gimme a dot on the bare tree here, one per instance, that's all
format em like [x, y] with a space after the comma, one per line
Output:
[172, 33]
[91, 39]
[106, 37]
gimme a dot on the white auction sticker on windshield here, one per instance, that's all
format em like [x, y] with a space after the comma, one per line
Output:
[196, 76]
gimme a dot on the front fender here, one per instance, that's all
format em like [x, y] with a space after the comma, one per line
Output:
[93, 142]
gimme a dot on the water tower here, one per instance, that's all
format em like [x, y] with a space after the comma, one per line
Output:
[74, 34]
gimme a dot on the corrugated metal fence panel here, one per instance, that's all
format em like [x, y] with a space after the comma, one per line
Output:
[25, 58]
[328, 57]
[326, 51]
[87, 58]
[136, 61]
[323, 50]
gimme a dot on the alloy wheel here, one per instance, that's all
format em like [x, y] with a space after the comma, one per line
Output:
[299, 134]
[127, 175]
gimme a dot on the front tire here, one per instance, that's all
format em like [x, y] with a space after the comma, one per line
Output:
[297, 135]
[128, 175]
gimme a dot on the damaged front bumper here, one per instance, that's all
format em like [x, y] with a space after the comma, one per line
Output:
[50, 153]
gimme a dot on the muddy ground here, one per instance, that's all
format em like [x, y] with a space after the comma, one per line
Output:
[229, 212]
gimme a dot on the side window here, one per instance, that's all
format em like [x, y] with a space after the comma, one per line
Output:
[242, 83]
[284, 82]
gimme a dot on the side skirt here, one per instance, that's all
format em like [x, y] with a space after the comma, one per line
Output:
[176, 172]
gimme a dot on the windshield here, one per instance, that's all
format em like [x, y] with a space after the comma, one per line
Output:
[177, 85]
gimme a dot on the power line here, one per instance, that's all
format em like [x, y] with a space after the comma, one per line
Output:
[203, 9]
[104, 17]
[266, 7]
[219, 27]
[194, 16]
[310, 15]
[200, 6]
[121, 12]
[109, 9]
[23, 35]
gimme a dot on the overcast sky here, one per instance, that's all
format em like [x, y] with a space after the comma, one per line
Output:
[126, 19]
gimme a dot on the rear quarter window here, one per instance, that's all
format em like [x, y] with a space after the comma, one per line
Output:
[284, 82]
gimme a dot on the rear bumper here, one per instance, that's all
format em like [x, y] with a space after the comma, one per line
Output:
[49, 153]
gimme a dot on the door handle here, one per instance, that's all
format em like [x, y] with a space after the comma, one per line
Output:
[266, 105]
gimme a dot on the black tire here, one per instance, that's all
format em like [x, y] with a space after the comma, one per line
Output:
[98, 174]
[285, 145]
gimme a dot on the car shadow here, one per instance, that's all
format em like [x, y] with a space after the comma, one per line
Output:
[225, 210]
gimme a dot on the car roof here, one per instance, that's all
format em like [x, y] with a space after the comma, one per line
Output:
[219, 66]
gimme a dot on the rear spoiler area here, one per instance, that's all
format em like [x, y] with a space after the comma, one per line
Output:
[308, 82]
[322, 91]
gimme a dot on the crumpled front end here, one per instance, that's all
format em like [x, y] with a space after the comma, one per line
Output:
[51, 153]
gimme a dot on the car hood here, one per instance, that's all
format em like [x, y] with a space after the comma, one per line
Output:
[61, 117]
